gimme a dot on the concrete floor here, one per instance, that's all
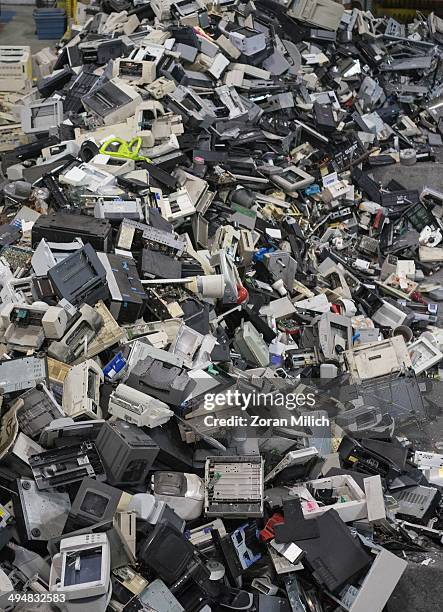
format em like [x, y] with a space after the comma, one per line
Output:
[21, 29]
[414, 177]
[419, 589]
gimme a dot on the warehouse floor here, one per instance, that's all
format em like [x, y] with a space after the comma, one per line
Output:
[17, 27]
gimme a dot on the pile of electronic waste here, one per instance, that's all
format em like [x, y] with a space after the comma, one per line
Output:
[220, 333]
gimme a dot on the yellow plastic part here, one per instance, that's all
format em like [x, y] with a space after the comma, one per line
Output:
[118, 147]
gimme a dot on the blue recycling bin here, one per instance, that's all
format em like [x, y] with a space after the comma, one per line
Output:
[50, 23]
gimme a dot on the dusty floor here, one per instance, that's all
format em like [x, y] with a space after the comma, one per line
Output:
[20, 30]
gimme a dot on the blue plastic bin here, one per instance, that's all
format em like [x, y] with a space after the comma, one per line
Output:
[50, 23]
